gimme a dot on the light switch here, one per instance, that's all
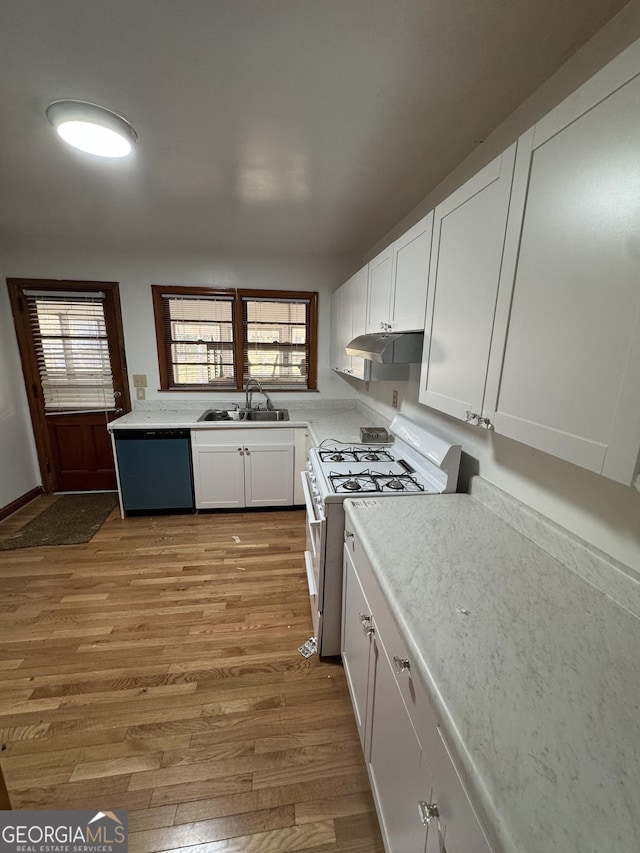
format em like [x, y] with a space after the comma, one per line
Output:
[140, 381]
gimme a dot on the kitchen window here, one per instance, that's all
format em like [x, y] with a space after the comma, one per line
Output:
[218, 339]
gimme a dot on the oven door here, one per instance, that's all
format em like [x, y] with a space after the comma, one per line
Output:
[314, 554]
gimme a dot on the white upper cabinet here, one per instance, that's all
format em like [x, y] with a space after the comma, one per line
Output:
[410, 276]
[397, 286]
[565, 362]
[348, 320]
[379, 293]
[466, 257]
[334, 348]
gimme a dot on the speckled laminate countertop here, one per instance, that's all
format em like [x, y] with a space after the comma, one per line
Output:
[538, 688]
[340, 420]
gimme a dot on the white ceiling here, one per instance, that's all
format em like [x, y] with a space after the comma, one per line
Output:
[265, 125]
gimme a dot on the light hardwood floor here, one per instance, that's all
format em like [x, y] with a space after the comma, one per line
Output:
[155, 669]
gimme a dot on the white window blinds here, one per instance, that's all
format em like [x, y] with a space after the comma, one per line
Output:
[199, 340]
[72, 350]
[276, 340]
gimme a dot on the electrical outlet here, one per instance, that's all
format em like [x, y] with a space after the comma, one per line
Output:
[140, 381]
[140, 393]
[394, 399]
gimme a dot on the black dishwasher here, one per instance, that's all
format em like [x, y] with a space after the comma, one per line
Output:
[155, 469]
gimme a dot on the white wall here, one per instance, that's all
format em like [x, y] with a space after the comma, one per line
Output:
[19, 472]
[136, 272]
[598, 510]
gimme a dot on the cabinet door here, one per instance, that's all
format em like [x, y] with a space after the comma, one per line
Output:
[301, 441]
[356, 644]
[268, 474]
[334, 351]
[357, 286]
[457, 828]
[468, 242]
[399, 774]
[218, 475]
[379, 290]
[410, 276]
[568, 382]
[349, 311]
[344, 328]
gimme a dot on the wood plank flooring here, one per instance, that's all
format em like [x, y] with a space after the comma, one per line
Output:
[155, 669]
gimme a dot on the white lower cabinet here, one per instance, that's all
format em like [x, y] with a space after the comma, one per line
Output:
[399, 774]
[302, 445]
[357, 632]
[420, 799]
[235, 468]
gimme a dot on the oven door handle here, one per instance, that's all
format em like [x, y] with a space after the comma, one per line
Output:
[313, 521]
[311, 579]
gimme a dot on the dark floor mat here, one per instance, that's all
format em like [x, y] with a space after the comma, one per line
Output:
[71, 520]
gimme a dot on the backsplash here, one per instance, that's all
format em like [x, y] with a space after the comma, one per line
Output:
[615, 580]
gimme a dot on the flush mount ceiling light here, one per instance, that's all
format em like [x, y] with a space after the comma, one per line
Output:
[91, 128]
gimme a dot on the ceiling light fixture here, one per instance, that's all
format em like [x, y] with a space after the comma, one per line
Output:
[92, 128]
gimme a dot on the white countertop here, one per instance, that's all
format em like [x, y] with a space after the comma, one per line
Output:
[538, 688]
[340, 420]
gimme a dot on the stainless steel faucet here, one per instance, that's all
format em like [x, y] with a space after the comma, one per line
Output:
[249, 394]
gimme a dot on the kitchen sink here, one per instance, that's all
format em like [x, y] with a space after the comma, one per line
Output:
[245, 415]
[215, 415]
[264, 414]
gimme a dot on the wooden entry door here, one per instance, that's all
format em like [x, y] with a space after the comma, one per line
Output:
[72, 350]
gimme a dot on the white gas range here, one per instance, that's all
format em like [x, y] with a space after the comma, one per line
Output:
[417, 463]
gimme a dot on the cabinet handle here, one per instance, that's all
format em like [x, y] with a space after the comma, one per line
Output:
[427, 812]
[367, 627]
[240, 451]
[470, 416]
[401, 664]
[382, 325]
[484, 423]
[247, 451]
[348, 535]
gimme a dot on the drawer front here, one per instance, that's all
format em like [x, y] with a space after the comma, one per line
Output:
[241, 436]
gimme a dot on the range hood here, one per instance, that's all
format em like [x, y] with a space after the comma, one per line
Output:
[388, 348]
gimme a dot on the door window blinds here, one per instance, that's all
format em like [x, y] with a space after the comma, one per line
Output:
[72, 350]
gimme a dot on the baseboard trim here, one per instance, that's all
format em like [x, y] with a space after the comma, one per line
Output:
[23, 500]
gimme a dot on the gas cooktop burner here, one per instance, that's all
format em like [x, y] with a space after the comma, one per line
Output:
[336, 455]
[398, 483]
[353, 454]
[374, 481]
[395, 484]
[361, 482]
